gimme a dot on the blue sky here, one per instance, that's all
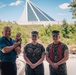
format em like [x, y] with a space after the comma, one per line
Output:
[11, 10]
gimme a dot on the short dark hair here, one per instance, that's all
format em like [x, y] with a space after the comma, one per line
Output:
[55, 32]
[34, 33]
[6, 27]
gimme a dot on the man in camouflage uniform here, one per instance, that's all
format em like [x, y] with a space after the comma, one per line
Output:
[34, 56]
[56, 55]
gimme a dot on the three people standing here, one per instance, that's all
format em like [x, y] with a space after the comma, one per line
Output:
[56, 54]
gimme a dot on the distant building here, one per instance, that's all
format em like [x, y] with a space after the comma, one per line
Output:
[34, 15]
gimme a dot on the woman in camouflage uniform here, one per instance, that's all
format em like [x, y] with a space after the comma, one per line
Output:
[56, 55]
[34, 56]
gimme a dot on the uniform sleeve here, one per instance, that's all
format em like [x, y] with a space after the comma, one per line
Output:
[2, 44]
[43, 49]
[65, 48]
[25, 49]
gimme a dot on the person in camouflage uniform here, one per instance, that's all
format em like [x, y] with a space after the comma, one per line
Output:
[34, 56]
[56, 55]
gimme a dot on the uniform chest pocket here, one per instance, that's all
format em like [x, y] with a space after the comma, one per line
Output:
[30, 50]
[37, 51]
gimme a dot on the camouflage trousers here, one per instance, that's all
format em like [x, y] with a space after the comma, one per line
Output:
[39, 70]
[61, 70]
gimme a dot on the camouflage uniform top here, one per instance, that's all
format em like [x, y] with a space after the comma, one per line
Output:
[55, 51]
[34, 52]
[61, 70]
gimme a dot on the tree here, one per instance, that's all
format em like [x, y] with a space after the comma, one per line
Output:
[65, 29]
[73, 9]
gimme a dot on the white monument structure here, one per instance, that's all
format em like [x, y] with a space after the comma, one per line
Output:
[34, 15]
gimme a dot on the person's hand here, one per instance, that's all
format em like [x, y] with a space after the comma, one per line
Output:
[33, 66]
[54, 65]
[16, 44]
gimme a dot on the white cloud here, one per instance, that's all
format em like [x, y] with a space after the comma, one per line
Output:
[64, 6]
[18, 2]
[61, 14]
[2, 6]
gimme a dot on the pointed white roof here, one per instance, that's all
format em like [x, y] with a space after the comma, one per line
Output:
[33, 13]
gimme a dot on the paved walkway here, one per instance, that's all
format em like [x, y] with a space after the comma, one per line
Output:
[71, 66]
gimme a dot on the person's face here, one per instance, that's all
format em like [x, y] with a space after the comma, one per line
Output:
[6, 32]
[34, 37]
[18, 36]
[56, 38]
